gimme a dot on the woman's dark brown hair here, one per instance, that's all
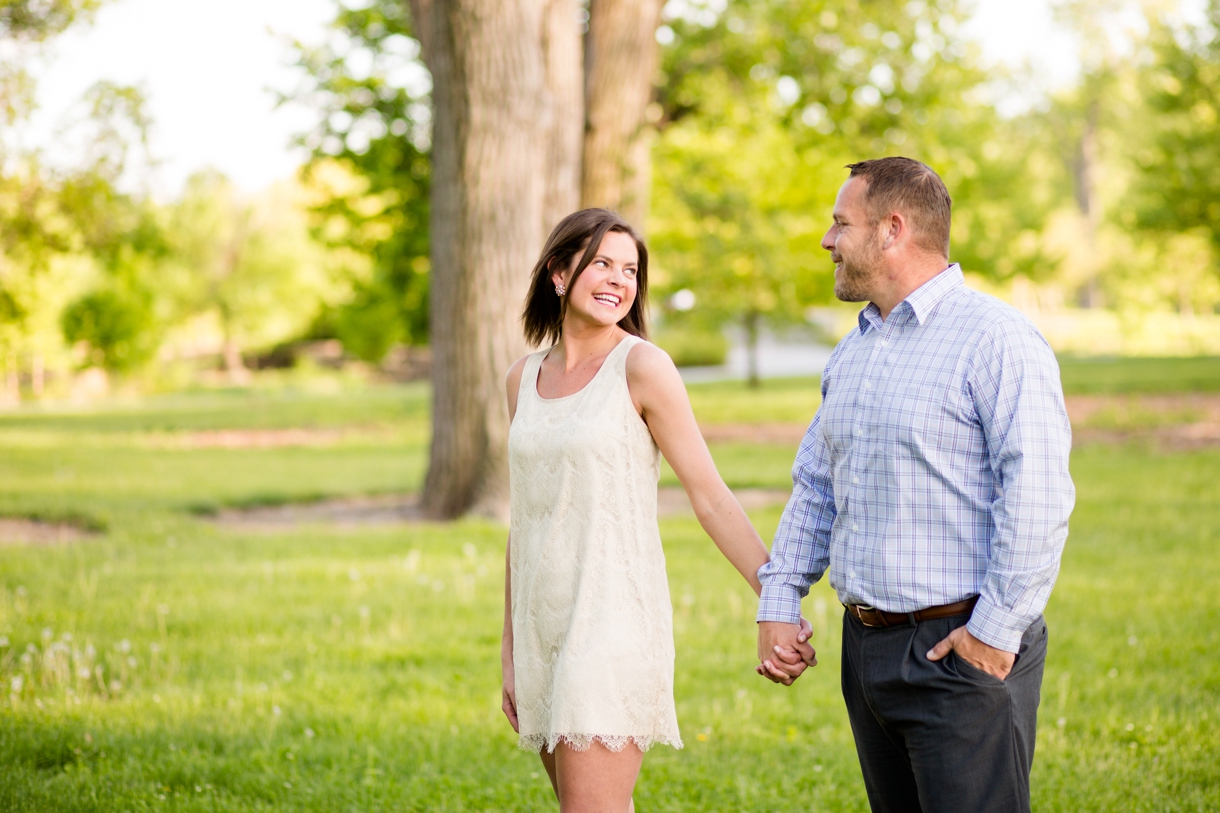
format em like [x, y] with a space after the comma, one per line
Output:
[579, 232]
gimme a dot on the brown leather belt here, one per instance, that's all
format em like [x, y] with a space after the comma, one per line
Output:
[872, 617]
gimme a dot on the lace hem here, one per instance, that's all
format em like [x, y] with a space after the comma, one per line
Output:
[581, 742]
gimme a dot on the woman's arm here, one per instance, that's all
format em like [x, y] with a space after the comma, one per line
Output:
[660, 398]
[508, 692]
[512, 384]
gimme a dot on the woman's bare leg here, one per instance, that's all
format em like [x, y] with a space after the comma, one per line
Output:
[548, 762]
[597, 780]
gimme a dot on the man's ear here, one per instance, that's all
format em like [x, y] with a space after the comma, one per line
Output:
[894, 228]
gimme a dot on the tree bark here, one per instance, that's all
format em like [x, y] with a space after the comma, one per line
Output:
[488, 191]
[621, 56]
[1086, 199]
[753, 379]
[563, 55]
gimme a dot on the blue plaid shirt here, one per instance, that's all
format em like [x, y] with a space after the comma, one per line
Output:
[936, 468]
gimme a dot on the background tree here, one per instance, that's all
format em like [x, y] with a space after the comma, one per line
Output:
[370, 172]
[488, 72]
[247, 264]
[1179, 170]
[620, 66]
[765, 102]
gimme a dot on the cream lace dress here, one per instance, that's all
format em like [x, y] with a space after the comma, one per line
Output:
[593, 646]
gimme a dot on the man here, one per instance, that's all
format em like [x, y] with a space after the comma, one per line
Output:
[933, 482]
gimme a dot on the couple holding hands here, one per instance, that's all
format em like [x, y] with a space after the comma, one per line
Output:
[932, 483]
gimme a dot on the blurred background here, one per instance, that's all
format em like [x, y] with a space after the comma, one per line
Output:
[193, 192]
[260, 274]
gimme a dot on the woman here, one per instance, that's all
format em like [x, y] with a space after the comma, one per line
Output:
[588, 642]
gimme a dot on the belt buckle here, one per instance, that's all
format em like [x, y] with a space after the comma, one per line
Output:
[861, 609]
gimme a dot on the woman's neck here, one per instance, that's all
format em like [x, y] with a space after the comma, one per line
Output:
[581, 342]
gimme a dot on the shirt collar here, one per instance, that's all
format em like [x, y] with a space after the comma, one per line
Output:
[919, 302]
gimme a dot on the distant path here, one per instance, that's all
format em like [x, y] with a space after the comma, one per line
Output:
[776, 359]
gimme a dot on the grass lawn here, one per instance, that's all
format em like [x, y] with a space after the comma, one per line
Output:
[166, 664]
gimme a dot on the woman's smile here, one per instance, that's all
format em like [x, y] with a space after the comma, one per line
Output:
[609, 300]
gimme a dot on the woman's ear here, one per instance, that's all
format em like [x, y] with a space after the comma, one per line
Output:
[557, 277]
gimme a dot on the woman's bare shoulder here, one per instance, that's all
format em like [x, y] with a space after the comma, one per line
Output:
[649, 365]
[512, 382]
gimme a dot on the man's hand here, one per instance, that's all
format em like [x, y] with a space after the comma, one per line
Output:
[984, 657]
[784, 651]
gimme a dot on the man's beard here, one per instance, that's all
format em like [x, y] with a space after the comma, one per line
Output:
[859, 272]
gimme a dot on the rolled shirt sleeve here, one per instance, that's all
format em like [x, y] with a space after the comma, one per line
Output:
[1019, 401]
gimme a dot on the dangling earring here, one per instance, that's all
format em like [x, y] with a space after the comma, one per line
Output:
[559, 289]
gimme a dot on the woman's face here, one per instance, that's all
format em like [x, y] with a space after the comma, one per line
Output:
[605, 291]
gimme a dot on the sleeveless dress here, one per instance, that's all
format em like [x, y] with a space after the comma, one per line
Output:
[593, 647]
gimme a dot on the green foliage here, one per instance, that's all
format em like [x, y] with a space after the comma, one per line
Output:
[1179, 183]
[40, 19]
[765, 103]
[117, 325]
[692, 348]
[370, 165]
[247, 262]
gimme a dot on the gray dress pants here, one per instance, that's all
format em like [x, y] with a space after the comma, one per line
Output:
[940, 737]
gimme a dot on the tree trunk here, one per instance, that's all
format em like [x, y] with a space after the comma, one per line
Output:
[235, 368]
[1086, 200]
[488, 190]
[621, 55]
[751, 324]
[563, 56]
[38, 375]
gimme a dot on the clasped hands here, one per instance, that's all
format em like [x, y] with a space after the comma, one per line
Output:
[785, 653]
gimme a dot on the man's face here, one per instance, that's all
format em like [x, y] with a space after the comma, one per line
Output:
[854, 245]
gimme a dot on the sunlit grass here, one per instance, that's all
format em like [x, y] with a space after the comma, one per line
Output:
[330, 669]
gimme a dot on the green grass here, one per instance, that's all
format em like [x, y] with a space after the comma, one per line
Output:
[330, 669]
[1128, 375]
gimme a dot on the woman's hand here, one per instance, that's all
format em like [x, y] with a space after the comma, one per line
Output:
[508, 694]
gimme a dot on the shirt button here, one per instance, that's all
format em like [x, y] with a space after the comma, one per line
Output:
[885, 342]
[855, 527]
[855, 480]
[867, 385]
[859, 432]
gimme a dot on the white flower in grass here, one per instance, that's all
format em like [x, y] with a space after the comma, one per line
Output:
[3, 640]
[47, 633]
[123, 645]
[309, 733]
[276, 710]
[84, 673]
[17, 684]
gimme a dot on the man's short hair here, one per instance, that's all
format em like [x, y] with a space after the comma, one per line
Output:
[904, 185]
